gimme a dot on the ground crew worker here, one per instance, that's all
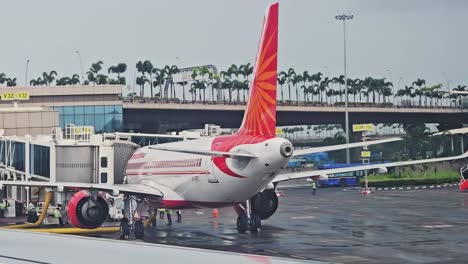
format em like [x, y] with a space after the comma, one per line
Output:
[161, 213]
[2, 208]
[169, 216]
[31, 213]
[58, 215]
[179, 216]
[31, 207]
[314, 187]
[124, 228]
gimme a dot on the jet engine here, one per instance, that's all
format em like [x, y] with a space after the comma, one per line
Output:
[86, 210]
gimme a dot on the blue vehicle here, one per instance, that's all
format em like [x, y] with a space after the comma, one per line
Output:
[343, 179]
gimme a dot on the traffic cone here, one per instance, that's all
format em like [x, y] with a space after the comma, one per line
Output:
[215, 213]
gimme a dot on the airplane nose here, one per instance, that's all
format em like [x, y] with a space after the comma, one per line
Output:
[286, 149]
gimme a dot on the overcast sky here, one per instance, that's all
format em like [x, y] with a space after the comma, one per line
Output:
[392, 39]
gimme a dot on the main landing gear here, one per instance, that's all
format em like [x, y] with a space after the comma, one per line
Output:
[127, 225]
[248, 221]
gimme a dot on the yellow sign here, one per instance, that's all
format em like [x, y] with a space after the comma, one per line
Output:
[362, 127]
[14, 96]
[279, 131]
[84, 130]
[365, 154]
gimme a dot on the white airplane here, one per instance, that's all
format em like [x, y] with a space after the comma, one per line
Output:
[227, 170]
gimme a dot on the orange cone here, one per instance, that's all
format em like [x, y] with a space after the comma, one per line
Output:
[215, 213]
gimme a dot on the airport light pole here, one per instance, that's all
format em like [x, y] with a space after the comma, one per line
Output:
[343, 18]
[81, 66]
[26, 75]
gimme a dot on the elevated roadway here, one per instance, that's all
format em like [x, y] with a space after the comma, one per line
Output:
[162, 117]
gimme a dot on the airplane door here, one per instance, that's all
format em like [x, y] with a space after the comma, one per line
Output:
[212, 175]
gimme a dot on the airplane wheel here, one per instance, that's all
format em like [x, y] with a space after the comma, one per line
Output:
[258, 220]
[242, 223]
[139, 230]
[253, 225]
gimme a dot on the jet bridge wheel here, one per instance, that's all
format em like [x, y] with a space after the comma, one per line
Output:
[242, 223]
[139, 229]
[124, 230]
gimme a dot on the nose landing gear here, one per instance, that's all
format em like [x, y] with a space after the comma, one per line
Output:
[248, 221]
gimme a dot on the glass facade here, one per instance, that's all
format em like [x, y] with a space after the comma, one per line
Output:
[104, 118]
[39, 162]
[17, 152]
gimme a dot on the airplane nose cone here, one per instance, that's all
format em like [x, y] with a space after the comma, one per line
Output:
[286, 149]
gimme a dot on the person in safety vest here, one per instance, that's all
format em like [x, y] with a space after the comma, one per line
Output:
[2, 208]
[169, 216]
[58, 216]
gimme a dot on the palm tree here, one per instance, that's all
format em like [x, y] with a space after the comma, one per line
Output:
[183, 83]
[206, 75]
[169, 71]
[193, 90]
[408, 91]
[227, 84]
[246, 70]
[119, 69]
[419, 82]
[141, 80]
[49, 77]
[282, 77]
[2, 78]
[159, 79]
[296, 80]
[75, 79]
[340, 81]
[62, 81]
[10, 82]
[141, 69]
[234, 70]
[94, 72]
[148, 68]
[291, 76]
[458, 88]
[101, 79]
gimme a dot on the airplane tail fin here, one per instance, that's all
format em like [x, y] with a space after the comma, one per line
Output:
[260, 115]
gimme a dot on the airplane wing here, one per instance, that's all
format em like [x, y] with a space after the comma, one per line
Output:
[114, 189]
[299, 152]
[206, 152]
[382, 167]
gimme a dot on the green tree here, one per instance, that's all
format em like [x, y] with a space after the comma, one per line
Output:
[49, 77]
[169, 72]
[2, 78]
[119, 69]
[291, 76]
[10, 82]
[141, 80]
[282, 78]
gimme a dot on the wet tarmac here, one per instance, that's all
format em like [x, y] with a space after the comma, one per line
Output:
[337, 225]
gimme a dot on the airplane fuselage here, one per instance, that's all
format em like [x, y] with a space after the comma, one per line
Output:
[210, 181]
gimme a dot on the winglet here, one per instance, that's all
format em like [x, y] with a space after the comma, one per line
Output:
[260, 115]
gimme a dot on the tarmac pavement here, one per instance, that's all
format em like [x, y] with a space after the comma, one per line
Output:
[337, 225]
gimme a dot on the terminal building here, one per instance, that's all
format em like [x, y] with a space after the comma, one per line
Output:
[99, 106]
